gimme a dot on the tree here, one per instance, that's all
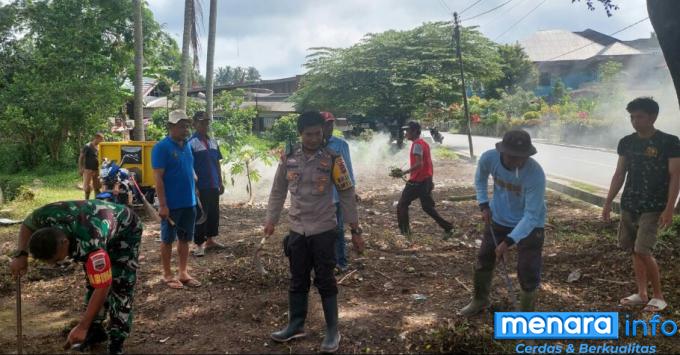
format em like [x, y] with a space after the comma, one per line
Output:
[187, 35]
[211, 59]
[284, 129]
[393, 73]
[518, 71]
[243, 163]
[62, 66]
[560, 93]
[237, 124]
[236, 75]
[66, 77]
[663, 16]
[138, 133]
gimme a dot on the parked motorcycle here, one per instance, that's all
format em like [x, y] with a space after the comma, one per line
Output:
[116, 184]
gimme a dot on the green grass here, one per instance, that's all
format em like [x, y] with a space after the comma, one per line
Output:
[46, 187]
[444, 153]
[585, 187]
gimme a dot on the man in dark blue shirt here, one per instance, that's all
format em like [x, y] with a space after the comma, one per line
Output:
[207, 158]
[173, 167]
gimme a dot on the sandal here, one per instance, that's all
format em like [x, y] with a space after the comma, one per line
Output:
[632, 300]
[173, 284]
[655, 305]
[191, 282]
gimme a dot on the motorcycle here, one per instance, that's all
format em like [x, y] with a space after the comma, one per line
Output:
[436, 136]
[116, 184]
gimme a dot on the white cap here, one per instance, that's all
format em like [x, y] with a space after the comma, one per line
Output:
[176, 116]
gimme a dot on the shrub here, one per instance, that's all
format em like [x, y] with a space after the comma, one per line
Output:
[531, 115]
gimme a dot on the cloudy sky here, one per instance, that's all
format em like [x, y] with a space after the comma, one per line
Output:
[274, 35]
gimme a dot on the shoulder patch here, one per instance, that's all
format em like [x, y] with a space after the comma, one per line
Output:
[98, 269]
[340, 174]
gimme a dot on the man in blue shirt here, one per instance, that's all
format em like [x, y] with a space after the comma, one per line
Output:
[517, 215]
[341, 147]
[173, 167]
[207, 158]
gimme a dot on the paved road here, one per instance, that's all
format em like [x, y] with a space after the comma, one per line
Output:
[594, 167]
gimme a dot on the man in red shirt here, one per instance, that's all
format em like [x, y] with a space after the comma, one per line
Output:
[419, 185]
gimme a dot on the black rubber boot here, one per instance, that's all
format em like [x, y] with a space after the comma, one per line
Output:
[116, 347]
[480, 298]
[331, 341]
[297, 313]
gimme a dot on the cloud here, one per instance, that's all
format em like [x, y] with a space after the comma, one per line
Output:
[274, 35]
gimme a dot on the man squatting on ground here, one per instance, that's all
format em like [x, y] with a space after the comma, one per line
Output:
[517, 215]
[106, 238]
[309, 173]
[649, 162]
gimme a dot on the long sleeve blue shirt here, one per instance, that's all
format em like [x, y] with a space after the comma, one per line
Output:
[341, 147]
[518, 196]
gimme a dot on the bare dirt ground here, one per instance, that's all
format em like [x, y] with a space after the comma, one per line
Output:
[401, 296]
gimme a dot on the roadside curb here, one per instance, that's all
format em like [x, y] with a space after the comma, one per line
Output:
[542, 141]
[584, 196]
[562, 188]
[585, 147]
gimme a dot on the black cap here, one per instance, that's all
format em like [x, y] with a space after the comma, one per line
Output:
[413, 126]
[516, 143]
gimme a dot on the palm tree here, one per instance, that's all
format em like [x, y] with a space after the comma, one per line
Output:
[138, 133]
[192, 15]
[209, 78]
[223, 75]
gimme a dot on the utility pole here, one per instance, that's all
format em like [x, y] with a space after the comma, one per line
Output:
[456, 38]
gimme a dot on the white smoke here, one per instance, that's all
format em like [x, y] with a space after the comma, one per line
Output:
[371, 162]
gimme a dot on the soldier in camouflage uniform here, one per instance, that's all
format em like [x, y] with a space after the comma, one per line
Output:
[105, 237]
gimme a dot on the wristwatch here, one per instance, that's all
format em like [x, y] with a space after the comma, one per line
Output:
[19, 253]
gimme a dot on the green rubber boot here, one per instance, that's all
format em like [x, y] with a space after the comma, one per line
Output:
[527, 301]
[331, 341]
[480, 298]
[297, 313]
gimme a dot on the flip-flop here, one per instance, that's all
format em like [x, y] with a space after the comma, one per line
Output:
[632, 300]
[657, 303]
[191, 282]
[174, 284]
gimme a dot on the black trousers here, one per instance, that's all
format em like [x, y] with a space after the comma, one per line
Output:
[423, 191]
[313, 251]
[529, 255]
[210, 199]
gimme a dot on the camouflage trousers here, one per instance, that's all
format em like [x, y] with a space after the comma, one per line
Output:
[124, 256]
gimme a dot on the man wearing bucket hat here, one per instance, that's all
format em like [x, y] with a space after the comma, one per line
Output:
[516, 214]
[173, 167]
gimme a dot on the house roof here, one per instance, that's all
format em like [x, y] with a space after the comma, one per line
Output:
[147, 85]
[561, 45]
[646, 45]
[272, 106]
[259, 84]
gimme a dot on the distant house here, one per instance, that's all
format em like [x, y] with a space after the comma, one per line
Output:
[574, 57]
[268, 96]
